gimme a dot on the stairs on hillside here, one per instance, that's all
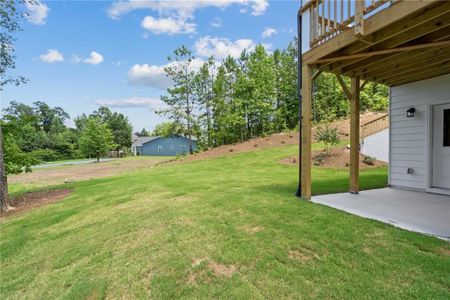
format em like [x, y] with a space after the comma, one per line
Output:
[374, 126]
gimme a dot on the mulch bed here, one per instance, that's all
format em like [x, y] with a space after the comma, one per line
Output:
[339, 158]
[31, 200]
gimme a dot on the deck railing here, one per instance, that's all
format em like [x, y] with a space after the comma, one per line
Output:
[329, 18]
[374, 126]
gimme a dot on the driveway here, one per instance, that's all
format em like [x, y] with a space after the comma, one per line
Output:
[416, 211]
[69, 163]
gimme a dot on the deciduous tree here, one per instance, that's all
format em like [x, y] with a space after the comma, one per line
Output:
[9, 25]
[96, 138]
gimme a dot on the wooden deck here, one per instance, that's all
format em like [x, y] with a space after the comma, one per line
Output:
[389, 42]
[396, 43]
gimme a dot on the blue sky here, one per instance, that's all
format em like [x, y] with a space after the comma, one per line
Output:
[81, 54]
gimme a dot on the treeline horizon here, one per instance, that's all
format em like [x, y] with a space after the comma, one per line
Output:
[250, 96]
[38, 132]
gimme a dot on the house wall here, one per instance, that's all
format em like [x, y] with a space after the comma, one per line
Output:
[377, 145]
[180, 146]
[410, 137]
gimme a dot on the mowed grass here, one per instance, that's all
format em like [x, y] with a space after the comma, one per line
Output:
[228, 227]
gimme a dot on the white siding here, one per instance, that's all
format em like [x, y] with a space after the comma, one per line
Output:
[409, 136]
[377, 145]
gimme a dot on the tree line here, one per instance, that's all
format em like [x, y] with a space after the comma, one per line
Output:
[37, 133]
[250, 96]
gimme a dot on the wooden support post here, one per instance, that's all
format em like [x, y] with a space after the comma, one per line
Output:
[354, 136]
[306, 131]
[359, 17]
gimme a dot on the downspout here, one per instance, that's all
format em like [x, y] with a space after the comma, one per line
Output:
[299, 91]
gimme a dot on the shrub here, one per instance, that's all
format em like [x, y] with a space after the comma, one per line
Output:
[329, 136]
[368, 160]
[45, 155]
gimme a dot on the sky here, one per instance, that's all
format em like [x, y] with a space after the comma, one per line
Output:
[80, 55]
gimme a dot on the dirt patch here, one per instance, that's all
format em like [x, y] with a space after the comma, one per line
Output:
[367, 250]
[302, 255]
[343, 126]
[29, 201]
[199, 271]
[338, 158]
[192, 279]
[253, 229]
[275, 140]
[60, 175]
[222, 270]
[444, 251]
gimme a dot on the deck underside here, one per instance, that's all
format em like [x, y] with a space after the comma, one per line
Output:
[407, 42]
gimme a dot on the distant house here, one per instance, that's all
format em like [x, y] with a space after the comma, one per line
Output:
[161, 146]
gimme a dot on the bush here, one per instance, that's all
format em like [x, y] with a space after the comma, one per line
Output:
[329, 136]
[45, 155]
[368, 160]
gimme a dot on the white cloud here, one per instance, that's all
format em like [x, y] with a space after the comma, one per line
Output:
[176, 16]
[149, 75]
[152, 103]
[168, 25]
[52, 56]
[95, 58]
[222, 47]
[155, 75]
[182, 8]
[268, 32]
[259, 7]
[36, 12]
[217, 22]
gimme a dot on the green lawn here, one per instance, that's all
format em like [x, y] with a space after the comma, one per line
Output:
[228, 227]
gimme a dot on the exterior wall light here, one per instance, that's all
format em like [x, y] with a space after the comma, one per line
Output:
[410, 112]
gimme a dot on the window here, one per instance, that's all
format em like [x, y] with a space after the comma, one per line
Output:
[446, 142]
[159, 148]
[171, 148]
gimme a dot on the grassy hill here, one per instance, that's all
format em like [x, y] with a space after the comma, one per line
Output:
[226, 227]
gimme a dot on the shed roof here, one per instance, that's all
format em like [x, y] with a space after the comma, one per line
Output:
[139, 141]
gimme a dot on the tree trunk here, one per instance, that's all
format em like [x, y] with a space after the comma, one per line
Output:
[4, 197]
[208, 124]
[188, 112]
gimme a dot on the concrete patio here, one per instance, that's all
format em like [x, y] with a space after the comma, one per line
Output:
[415, 211]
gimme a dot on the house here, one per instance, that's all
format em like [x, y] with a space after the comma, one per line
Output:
[162, 146]
[402, 44]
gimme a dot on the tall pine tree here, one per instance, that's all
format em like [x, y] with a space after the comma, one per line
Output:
[180, 99]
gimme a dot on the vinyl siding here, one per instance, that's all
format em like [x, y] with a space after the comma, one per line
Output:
[409, 136]
[180, 146]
